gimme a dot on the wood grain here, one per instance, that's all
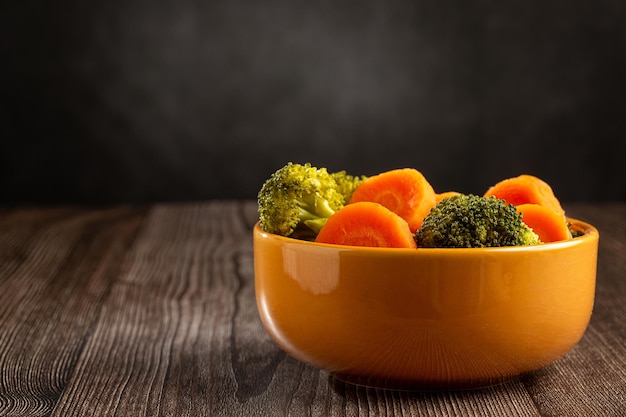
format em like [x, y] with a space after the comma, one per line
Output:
[151, 312]
[57, 267]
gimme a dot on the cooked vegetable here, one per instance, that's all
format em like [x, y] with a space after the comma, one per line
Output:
[367, 224]
[446, 194]
[575, 230]
[404, 191]
[545, 222]
[297, 199]
[346, 183]
[526, 189]
[471, 221]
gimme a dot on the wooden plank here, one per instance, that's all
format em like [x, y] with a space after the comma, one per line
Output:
[56, 265]
[162, 343]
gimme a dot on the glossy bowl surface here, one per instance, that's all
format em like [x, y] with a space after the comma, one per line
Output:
[425, 319]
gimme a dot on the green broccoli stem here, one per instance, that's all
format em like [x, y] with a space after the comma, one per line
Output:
[314, 211]
[315, 225]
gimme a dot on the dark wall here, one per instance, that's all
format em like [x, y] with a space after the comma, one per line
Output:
[136, 100]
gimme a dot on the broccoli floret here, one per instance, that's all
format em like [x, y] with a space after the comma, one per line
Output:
[346, 183]
[470, 221]
[297, 199]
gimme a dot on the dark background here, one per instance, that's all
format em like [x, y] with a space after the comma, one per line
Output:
[139, 101]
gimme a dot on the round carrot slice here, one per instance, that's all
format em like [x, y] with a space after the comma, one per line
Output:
[526, 189]
[367, 224]
[545, 222]
[446, 194]
[404, 191]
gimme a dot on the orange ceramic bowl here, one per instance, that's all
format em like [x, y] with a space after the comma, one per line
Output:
[425, 318]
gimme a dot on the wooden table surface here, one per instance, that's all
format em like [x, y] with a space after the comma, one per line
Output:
[150, 311]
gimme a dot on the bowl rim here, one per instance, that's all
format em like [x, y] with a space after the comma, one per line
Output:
[589, 233]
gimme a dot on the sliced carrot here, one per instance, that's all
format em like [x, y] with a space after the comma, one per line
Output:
[366, 224]
[545, 222]
[526, 189]
[404, 191]
[441, 196]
